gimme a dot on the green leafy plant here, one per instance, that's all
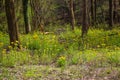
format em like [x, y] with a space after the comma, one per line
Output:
[61, 62]
[14, 58]
[113, 58]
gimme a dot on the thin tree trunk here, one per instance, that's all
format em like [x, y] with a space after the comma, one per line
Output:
[95, 9]
[25, 13]
[92, 12]
[11, 20]
[115, 11]
[85, 19]
[1, 5]
[119, 2]
[72, 15]
[110, 14]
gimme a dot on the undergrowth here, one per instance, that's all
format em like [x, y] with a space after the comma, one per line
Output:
[98, 48]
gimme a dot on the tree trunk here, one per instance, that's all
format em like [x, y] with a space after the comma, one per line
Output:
[1, 4]
[115, 11]
[72, 15]
[92, 12]
[110, 14]
[85, 19]
[25, 13]
[95, 9]
[119, 2]
[11, 21]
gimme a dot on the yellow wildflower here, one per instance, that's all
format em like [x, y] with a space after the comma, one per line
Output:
[116, 48]
[54, 36]
[1, 44]
[103, 44]
[10, 47]
[16, 41]
[35, 36]
[98, 46]
[62, 58]
[4, 51]
[12, 42]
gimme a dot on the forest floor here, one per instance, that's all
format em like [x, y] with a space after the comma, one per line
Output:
[73, 72]
[65, 56]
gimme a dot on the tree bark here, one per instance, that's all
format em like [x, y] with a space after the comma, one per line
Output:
[85, 19]
[110, 14]
[95, 9]
[119, 2]
[1, 4]
[11, 21]
[72, 15]
[92, 12]
[25, 13]
[115, 11]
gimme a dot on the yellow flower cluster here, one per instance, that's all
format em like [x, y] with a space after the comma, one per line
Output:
[103, 44]
[14, 43]
[1, 44]
[54, 37]
[4, 51]
[35, 36]
[62, 58]
[117, 48]
[98, 46]
[10, 47]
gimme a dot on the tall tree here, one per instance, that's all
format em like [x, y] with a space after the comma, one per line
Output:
[115, 11]
[95, 9]
[11, 20]
[1, 4]
[110, 14]
[92, 12]
[119, 2]
[25, 13]
[72, 15]
[85, 19]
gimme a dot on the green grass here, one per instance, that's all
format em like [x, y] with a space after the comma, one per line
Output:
[98, 46]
